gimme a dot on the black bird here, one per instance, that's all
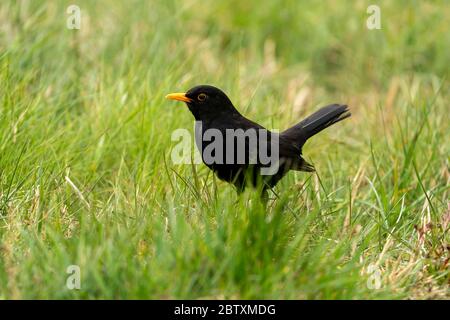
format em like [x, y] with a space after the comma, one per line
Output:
[214, 113]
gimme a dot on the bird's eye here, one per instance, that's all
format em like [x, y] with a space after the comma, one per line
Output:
[201, 97]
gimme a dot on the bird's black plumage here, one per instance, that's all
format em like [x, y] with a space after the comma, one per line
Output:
[214, 111]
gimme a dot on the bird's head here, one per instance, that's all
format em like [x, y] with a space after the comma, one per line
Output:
[205, 102]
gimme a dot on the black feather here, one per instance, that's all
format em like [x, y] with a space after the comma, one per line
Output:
[315, 123]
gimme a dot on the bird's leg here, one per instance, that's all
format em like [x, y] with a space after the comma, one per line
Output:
[264, 197]
[239, 191]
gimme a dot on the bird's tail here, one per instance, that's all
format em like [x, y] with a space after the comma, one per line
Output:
[316, 122]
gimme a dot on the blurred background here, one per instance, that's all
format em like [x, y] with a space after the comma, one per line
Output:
[85, 142]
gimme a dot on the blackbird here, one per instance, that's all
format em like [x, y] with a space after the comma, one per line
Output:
[243, 152]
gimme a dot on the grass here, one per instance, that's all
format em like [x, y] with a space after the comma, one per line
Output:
[86, 176]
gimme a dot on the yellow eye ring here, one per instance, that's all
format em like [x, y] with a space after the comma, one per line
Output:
[201, 97]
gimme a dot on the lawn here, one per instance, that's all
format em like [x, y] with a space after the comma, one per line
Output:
[88, 188]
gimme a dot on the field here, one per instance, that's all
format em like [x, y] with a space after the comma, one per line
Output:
[88, 188]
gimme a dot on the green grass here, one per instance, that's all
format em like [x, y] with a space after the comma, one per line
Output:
[86, 176]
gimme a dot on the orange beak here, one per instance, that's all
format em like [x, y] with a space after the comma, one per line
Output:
[178, 96]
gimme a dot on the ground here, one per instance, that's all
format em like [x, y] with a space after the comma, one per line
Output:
[88, 188]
